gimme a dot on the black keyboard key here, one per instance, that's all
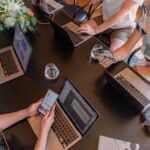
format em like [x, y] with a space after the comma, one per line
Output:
[8, 63]
[62, 128]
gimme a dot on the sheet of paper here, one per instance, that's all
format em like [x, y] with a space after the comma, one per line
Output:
[106, 143]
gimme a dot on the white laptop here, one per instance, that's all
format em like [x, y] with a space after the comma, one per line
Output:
[107, 143]
[132, 86]
[50, 6]
[14, 59]
[73, 118]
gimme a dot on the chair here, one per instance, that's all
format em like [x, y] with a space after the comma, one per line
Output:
[78, 13]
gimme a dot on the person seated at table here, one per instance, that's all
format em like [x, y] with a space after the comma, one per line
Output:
[119, 17]
[142, 30]
[6, 120]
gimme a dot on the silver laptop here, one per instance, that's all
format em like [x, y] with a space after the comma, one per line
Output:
[73, 118]
[14, 59]
[69, 33]
[131, 85]
[51, 6]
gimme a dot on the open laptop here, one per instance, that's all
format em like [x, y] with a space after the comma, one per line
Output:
[132, 86]
[69, 33]
[50, 6]
[14, 59]
[73, 118]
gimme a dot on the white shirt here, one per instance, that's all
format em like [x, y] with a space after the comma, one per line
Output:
[110, 7]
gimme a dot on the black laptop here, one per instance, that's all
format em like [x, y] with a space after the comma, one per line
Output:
[69, 33]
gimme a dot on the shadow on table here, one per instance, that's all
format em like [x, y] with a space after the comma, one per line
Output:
[15, 144]
[113, 100]
[63, 46]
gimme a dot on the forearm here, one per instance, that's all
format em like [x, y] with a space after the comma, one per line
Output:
[127, 6]
[122, 52]
[132, 41]
[108, 23]
[7, 120]
[41, 142]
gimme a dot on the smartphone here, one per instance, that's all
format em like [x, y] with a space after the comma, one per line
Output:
[3, 142]
[48, 101]
[107, 53]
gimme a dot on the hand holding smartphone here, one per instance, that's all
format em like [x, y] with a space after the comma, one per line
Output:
[103, 56]
[48, 101]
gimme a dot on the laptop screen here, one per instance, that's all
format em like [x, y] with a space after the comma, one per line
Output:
[77, 108]
[22, 47]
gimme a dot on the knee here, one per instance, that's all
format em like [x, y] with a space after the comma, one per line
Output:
[116, 43]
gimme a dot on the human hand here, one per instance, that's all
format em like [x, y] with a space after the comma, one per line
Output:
[119, 54]
[33, 108]
[48, 120]
[104, 57]
[91, 23]
[87, 29]
[142, 69]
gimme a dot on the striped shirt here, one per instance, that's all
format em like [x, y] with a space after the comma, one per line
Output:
[143, 27]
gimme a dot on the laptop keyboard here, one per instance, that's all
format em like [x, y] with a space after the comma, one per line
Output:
[8, 63]
[75, 37]
[62, 128]
[132, 90]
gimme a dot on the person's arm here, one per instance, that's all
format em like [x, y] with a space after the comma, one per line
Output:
[122, 52]
[7, 120]
[127, 6]
[46, 124]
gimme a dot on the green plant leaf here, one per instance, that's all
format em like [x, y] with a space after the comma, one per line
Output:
[1, 28]
[33, 20]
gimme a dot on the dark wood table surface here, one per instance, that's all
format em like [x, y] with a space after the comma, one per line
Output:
[117, 118]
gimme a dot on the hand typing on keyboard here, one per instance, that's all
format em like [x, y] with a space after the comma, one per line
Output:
[104, 57]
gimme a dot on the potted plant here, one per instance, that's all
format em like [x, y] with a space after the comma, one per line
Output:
[13, 12]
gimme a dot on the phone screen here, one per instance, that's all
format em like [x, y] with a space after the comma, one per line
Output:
[48, 101]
